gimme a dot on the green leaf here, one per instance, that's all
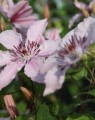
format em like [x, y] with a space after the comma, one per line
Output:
[92, 92]
[79, 117]
[12, 87]
[80, 74]
[44, 114]
[21, 106]
[25, 117]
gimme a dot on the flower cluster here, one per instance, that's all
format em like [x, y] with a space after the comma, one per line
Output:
[45, 56]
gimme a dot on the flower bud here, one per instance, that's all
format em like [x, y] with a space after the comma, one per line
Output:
[26, 92]
[46, 11]
[10, 106]
[2, 24]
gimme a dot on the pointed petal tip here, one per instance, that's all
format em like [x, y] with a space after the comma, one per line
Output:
[46, 19]
[47, 92]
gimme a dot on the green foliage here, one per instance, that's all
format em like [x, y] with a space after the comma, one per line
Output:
[80, 117]
[44, 114]
[25, 117]
[80, 73]
[21, 107]
[11, 88]
[92, 92]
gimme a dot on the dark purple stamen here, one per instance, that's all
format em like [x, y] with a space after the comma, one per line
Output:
[31, 49]
[71, 46]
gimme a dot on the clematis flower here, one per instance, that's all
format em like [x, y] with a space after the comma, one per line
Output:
[86, 11]
[19, 14]
[70, 51]
[29, 53]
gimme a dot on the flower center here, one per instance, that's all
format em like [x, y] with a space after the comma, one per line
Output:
[25, 52]
[73, 50]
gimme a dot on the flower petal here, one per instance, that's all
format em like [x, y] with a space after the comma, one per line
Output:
[5, 58]
[21, 9]
[49, 63]
[53, 34]
[32, 67]
[84, 29]
[36, 29]
[5, 7]
[24, 21]
[54, 79]
[48, 47]
[74, 19]
[39, 78]
[41, 39]
[87, 29]
[9, 73]
[10, 38]
[67, 38]
[80, 5]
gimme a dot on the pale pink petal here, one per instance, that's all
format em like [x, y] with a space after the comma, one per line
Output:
[5, 6]
[24, 21]
[25, 9]
[9, 73]
[84, 29]
[41, 39]
[49, 63]
[10, 38]
[67, 38]
[48, 47]
[36, 30]
[32, 67]
[21, 9]
[11, 3]
[39, 78]
[80, 5]
[87, 29]
[53, 34]
[74, 19]
[54, 80]
[73, 57]
[5, 58]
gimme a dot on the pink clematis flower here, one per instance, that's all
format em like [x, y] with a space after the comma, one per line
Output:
[70, 51]
[19, 14]
[29, 53]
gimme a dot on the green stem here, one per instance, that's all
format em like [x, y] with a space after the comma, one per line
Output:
[89, 71]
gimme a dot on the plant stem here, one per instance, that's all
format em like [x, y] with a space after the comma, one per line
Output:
[89, 71]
